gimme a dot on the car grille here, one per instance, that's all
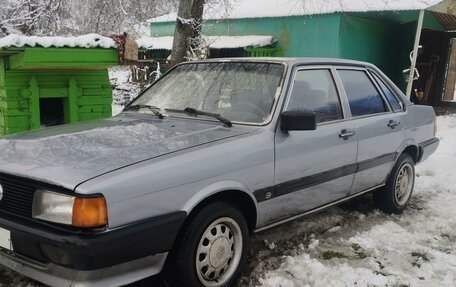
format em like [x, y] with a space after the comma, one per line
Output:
[17, 196]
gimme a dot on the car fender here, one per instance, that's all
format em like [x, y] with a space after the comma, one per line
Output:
[215, 188]
[406, 143]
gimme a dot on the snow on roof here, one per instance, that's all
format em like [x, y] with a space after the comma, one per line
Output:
[84, 41]
[281, 8]
[214, 42]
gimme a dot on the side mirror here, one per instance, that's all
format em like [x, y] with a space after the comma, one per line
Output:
[298, 121]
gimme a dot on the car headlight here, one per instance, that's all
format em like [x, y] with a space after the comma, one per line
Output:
[70, 210]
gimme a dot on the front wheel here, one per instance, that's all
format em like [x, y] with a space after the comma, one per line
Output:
[395, 195]
[212, 250]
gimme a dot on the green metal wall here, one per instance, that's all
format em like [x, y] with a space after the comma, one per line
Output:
[383, 38]
[312, 36]
[369, 40]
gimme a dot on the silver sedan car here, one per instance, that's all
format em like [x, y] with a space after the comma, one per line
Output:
[208, 154]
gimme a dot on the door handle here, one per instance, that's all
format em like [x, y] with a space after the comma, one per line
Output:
[393, 124]
[345, 134]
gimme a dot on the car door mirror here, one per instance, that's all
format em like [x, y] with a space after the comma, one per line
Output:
[298, 121]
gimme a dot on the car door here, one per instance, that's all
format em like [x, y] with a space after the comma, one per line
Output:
[378, 129]
[313, 168]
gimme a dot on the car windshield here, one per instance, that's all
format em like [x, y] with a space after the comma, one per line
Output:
[238, 91]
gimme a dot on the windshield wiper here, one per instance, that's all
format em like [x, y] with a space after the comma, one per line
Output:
[153, 109]
[195, 112]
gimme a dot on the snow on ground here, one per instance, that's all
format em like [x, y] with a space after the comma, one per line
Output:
[123, 89]
[356, 245]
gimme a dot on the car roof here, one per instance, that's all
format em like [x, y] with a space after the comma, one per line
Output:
[294, 61]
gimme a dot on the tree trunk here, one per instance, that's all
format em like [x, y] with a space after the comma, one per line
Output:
[188, 27]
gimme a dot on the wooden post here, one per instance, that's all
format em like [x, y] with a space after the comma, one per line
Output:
[73, 100]
[34, 104]
[451, 75]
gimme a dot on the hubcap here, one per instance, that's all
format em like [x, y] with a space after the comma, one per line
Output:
[404, 184]
[219, 252]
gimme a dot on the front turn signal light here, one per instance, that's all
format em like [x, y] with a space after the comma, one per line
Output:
[90, 212]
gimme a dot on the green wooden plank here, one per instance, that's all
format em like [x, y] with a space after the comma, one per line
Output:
[25, 93]
[22, 104]
[53, 93]
[13, 130]
[2, 73]
[34, 104]
[97, 92]
[13, 93]
[89, 116]
[73, 94]
[84, 100]
[17, 112]
[64, 58]
[91, 109]
[17, 122]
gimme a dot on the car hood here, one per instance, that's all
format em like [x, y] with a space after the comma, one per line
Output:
[70, 154]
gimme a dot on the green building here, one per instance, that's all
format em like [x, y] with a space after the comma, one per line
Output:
[47, 81]
[381, 32]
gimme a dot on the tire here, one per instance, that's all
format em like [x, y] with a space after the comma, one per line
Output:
[212, 249]
[395, 195]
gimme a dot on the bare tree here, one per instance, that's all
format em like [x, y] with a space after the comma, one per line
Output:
[188, 29]
[69, 17]
[31, 16]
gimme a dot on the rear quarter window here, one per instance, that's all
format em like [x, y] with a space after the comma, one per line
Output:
[395, 104]
[364, 99]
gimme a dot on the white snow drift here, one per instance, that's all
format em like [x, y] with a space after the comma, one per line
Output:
[240, 9]
[84, 41]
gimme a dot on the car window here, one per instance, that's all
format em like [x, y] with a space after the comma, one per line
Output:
[363, 97]
[390, 97]
[315, 91]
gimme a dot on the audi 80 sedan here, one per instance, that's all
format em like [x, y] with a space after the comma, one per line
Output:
[211, 152]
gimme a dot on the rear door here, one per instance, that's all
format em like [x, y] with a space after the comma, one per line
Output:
[315, 167]
[378, 128]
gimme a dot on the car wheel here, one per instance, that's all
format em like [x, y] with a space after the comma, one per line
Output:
[395, 196]
[212, 251]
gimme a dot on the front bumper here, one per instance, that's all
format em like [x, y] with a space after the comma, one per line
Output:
[79, 258]
[55, 275]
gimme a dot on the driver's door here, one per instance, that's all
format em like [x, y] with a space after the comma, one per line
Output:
[315, 167]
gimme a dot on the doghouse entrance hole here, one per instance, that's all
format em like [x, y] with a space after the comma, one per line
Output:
[51, 112]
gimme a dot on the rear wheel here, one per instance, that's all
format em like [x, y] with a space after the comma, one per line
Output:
[395, 196]
[213, 249]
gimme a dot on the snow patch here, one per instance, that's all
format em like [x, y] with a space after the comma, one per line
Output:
[84, 41]
[214, 42]
[304, 271]
[282, 8]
